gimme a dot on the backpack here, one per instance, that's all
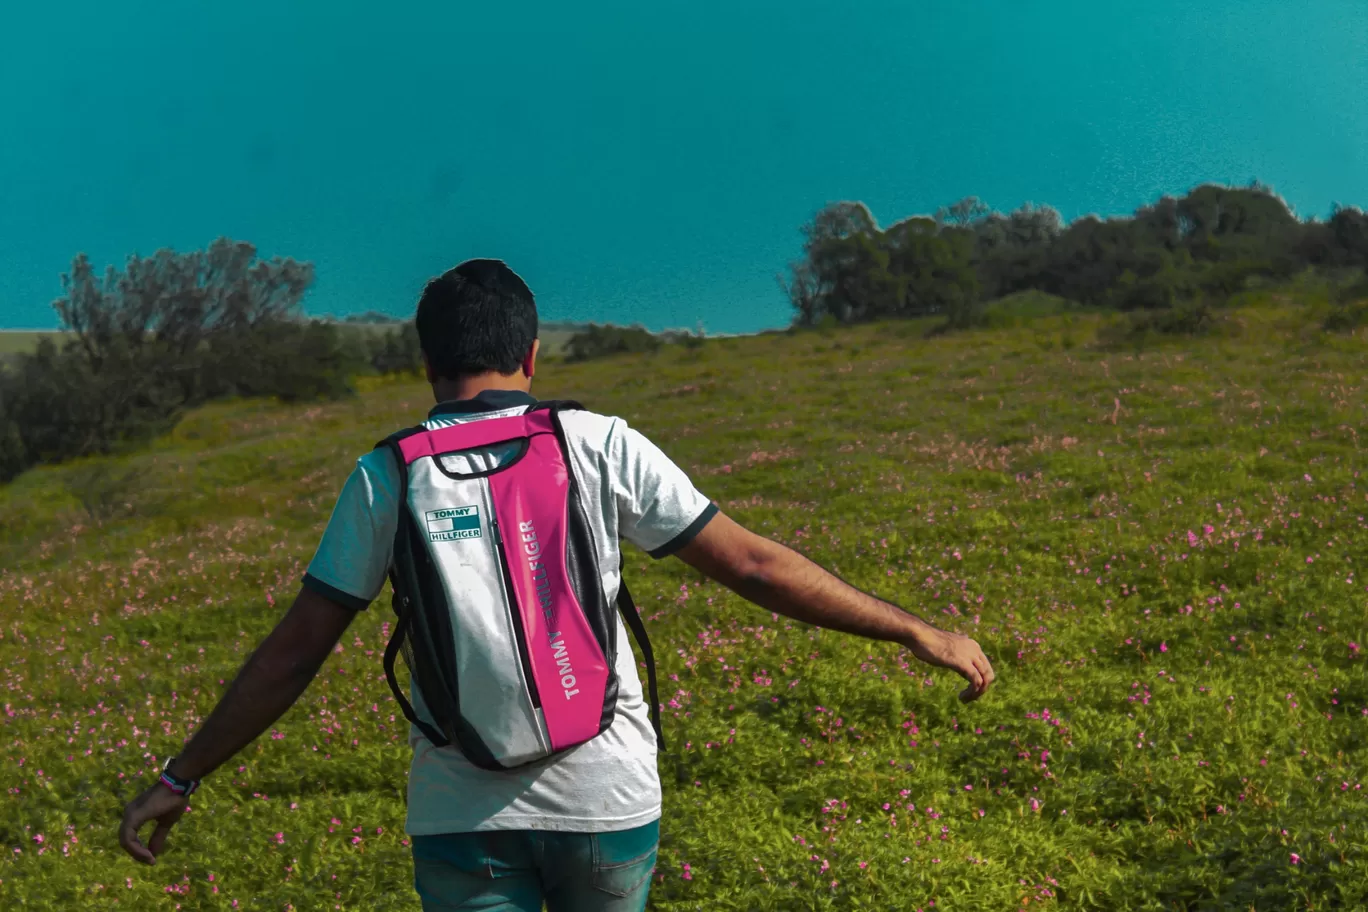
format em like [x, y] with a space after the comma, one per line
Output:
[502, 617]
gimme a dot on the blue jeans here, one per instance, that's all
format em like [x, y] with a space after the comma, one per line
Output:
[518, 870]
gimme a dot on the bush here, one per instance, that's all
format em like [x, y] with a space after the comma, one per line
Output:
[105, 491]
[1163, 290]
[690, 340]
[13, 454]
[396, 351]
[169, 332]
[284, 358]
[1189, 318]
[602, 341]
[61, 407]
[1350, 310]
[1347, 317]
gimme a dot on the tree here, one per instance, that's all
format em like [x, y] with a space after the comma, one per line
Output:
[13, 453]
[167, 332]
[963, 214]
[1011, 250]
[595, 341]
[173, 300]
[155, 318]
[935, 266]
[803, 293]
[1349, 229]
[838, 221]
[853, 272]
[397, 351]
[1232, 222]
[855, 283]
[1162, 225]
[845, 271]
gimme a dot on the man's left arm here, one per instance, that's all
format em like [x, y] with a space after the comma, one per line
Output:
[272, 679]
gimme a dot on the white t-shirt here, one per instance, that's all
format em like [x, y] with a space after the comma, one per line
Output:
[609, 782]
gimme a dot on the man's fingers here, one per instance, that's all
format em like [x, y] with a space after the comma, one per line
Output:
[985, 670]
[971, 674]
[158, 840]
[128, 838]
[974, 677]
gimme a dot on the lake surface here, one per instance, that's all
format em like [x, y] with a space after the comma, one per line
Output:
[636, 162]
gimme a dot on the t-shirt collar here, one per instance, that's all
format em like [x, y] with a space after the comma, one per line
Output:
[493, 400]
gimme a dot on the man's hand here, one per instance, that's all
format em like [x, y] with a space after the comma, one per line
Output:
[783, 581]
[961, 655]
[277, 672]
[158, 803]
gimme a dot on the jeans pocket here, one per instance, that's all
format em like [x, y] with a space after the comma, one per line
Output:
[623, 878]
[451, 870]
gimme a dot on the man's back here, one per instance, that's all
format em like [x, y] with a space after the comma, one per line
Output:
[630, 491]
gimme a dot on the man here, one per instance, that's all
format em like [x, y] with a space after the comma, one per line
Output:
[580, 830]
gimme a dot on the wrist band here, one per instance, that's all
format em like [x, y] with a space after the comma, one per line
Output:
[183, 787]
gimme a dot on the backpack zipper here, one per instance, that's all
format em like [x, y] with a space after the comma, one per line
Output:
[519, 634]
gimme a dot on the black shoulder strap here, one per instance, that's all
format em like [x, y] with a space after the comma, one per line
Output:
[633, 619]
[396, 642]
[401, 601]
[558, 405]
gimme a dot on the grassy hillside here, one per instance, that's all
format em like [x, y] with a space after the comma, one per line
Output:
[1161, 551]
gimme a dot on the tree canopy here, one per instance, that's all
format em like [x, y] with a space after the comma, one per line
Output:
[1206, 244]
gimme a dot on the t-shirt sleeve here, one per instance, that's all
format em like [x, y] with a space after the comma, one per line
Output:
[659, 509]
[353, 557]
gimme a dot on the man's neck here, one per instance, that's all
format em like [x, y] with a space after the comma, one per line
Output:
[470, 387]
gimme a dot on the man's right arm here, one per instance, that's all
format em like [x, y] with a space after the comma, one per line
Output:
[783, 581]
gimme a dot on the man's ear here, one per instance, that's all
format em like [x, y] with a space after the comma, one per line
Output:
[529, 365]
[427, 368]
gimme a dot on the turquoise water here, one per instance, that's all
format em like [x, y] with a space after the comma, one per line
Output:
[636, 162]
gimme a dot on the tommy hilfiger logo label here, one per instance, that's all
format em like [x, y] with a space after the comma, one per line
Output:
[453, 523]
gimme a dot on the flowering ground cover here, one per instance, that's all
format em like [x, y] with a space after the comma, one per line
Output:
[1162, 551]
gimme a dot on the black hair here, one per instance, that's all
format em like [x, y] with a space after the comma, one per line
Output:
[476, 318]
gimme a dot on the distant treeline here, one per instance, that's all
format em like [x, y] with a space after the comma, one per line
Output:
[1201, 247]
[170, 332]
[600, 341]
[175, 330]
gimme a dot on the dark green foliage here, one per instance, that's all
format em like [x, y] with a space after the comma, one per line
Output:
[286, 358]
[167, 333]
[58, 405]
[104, 490]
[1185, 318]
[373, 317]
[1347, 317]
[301, 361]
[13, 453]
[1351, 309]
[601, 341]
[854, 273]
[690, 340]
[1208, 244]
[396, 351]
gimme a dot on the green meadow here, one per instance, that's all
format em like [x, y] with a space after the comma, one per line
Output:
[1158, 545]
